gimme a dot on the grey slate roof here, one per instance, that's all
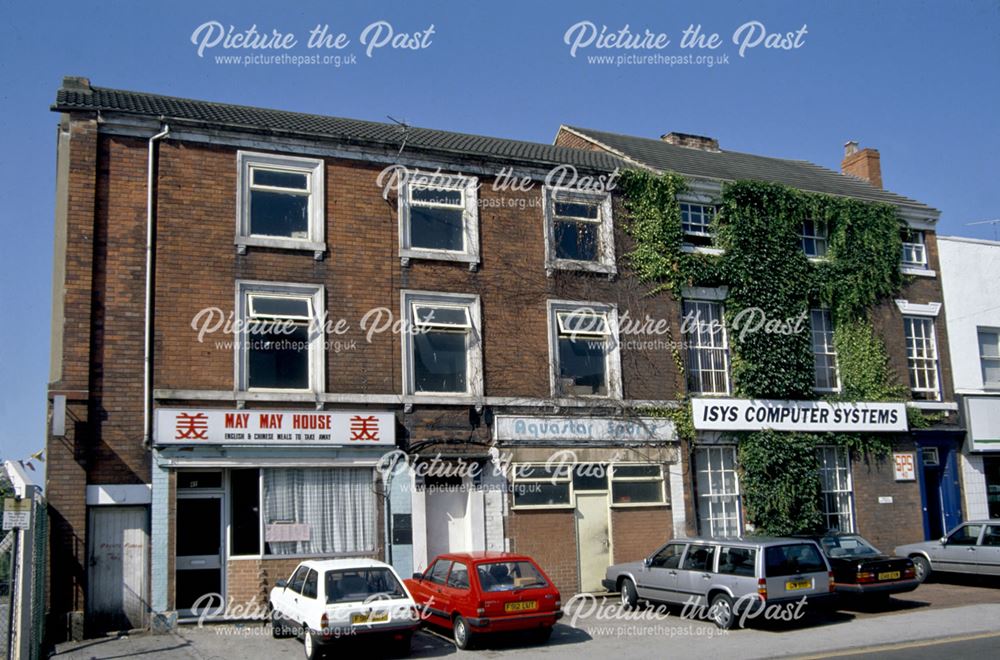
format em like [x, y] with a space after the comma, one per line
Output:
[351, 131]
[734, 166]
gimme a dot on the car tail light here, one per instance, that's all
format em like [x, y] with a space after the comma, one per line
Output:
[909, 572]
[324, 623]
[865, 576]
[558, 604]
[481, 610]
[762, 588]
[830, 576]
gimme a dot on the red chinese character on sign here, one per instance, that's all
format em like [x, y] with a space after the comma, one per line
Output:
[364, 428]
[191, 427]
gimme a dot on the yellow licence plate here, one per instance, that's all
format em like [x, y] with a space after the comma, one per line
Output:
[892, 575]
[797, 585]
[374, 617]
[521, 606]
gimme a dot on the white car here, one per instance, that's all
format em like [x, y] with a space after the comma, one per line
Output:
[325, 601]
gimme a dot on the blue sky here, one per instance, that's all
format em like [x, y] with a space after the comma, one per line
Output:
[917, 80]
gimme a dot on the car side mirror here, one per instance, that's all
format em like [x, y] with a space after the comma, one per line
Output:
[647, 561]
[943, 540]
[281, 583]
[418, 576]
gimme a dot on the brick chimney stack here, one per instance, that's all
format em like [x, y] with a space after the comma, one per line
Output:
[862, 163]
[691, 141]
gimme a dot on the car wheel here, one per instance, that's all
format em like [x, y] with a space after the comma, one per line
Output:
[309, 644]
[462, 634]
[721, 612]
[278, 630]
[922, 568]
[629, 597]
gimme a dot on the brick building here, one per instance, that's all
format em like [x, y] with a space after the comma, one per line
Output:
[255, 312]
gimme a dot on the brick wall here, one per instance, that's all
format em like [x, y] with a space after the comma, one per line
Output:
[638, 531]
[548, 537]
[887, 525]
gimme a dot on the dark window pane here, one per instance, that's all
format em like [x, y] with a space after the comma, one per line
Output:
[590, 477]
[281, 179]
[279, 214]
[199, 526]
[279, 360]
[633, 492]
[576, 210]
[582, 366]
[432, 196]
[738, 561]
[439, 571]
[436, 228]
[439, 362]
[637, 471]
[298, 579]
[540, 494]
[367, 585]
[187, 480]
[309, 586]
[576, 240]
[785, 560]
[699, 558]
[245, 511]
[280, 306]
[541, 471]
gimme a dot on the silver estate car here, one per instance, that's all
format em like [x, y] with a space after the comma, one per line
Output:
[727, 578]
[972, 547]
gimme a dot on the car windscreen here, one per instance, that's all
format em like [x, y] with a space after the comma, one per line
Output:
[509, 575]
[783, 560]
[362, 584]
[848, 546]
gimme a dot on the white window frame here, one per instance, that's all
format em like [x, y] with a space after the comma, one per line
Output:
[835, 462]
[314, 169]
[605, 233]
[915, 364]
[911, 248]
[828, 345]
[613, 478]
[705, 465]
[566, 478]
[315, 293]
[703, 205]
[820, 236]
[468, 186]
[612, 356]
[474, 344]
[985, 330]
[693, 348]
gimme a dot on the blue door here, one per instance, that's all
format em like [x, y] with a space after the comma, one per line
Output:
[940, 489]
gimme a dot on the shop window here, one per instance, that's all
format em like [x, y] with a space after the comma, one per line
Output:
[989, 356]
[637, 484]
[580, 230]
[991, 470]
[244, 511]
[707, 347]
[584, 350]
[719, 501]
[590, 476]
[921, 357]
[318, 511]
[815, 237]
[836, 491]
[439, 218]
[280, 202]
[442, 349]
[281, 344]
[824, 352]
[541, 486]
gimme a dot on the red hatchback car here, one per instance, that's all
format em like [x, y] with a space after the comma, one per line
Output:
[487, 592]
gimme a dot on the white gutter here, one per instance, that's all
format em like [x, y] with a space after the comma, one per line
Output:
[147, 372]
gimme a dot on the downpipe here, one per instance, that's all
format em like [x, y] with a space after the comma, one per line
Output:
[147, 357]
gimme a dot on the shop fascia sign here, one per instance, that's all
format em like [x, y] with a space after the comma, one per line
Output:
[201, 426]
[580, 429]
[781, 415]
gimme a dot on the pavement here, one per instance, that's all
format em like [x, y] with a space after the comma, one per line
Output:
[959, 620]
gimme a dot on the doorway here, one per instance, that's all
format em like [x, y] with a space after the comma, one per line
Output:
[198, 574]
[448, 520]
[940, 490]
[116, 568]
[593, 539]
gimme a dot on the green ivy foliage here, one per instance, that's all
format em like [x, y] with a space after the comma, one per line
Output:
[764, 267]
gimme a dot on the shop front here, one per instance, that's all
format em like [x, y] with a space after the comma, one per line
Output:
[241, 496]
[981, 456]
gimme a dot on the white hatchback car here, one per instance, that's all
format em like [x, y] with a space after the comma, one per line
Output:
[330, 600]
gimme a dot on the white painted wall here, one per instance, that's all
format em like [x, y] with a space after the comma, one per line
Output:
[970, 277]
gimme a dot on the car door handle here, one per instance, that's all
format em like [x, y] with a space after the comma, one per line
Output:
[671, 572]
[706, 576]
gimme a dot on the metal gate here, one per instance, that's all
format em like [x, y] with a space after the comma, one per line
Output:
[22, 575]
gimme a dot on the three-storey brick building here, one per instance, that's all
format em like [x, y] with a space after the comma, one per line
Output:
[256, 312]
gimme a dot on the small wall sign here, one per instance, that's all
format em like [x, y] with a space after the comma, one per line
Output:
[904, 464]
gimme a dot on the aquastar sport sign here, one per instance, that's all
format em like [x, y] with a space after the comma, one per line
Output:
[189, 426]
[777, 415]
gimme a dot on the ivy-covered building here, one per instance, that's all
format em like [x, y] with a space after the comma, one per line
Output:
[742, 241]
